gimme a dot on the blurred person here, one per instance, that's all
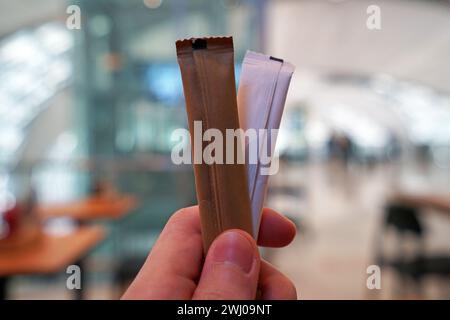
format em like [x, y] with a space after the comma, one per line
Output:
[340, 146]
[232, 268]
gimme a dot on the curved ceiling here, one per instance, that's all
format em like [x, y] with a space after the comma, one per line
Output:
[413, 43]
[15, 15]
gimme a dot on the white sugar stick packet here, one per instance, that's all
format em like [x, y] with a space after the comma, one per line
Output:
[263, 86]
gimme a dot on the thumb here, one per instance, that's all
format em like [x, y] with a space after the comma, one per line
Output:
[231, 268]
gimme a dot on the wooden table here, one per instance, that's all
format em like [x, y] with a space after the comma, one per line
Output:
[439, 203]
[48, 254]
[93, 208]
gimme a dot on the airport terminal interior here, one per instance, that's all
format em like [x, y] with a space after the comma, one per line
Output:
[86, 119]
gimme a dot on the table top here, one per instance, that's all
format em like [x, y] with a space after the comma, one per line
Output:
[95, 207]
[438, 202]
[50, 253]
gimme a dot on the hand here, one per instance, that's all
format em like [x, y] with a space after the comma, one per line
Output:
[232, 268]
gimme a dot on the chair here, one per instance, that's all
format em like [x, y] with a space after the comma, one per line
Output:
[404, 220]
[413, 268]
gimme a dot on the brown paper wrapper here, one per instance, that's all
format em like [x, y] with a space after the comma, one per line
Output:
[207, 70]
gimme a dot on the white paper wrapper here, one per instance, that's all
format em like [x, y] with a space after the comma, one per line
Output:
[263, 87]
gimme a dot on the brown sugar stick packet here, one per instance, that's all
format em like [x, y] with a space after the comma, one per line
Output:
[207, 71]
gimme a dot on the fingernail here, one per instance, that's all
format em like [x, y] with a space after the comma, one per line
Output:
[234, 248]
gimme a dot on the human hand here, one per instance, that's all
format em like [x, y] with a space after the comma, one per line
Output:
[232, 268]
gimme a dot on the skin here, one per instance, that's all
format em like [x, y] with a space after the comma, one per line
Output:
[232, 269]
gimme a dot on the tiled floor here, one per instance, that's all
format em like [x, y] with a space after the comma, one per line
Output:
[340, 213]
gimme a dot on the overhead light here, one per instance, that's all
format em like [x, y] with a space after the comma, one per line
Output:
[153, 4]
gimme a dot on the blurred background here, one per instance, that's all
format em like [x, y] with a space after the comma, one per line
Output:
[86, 116]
